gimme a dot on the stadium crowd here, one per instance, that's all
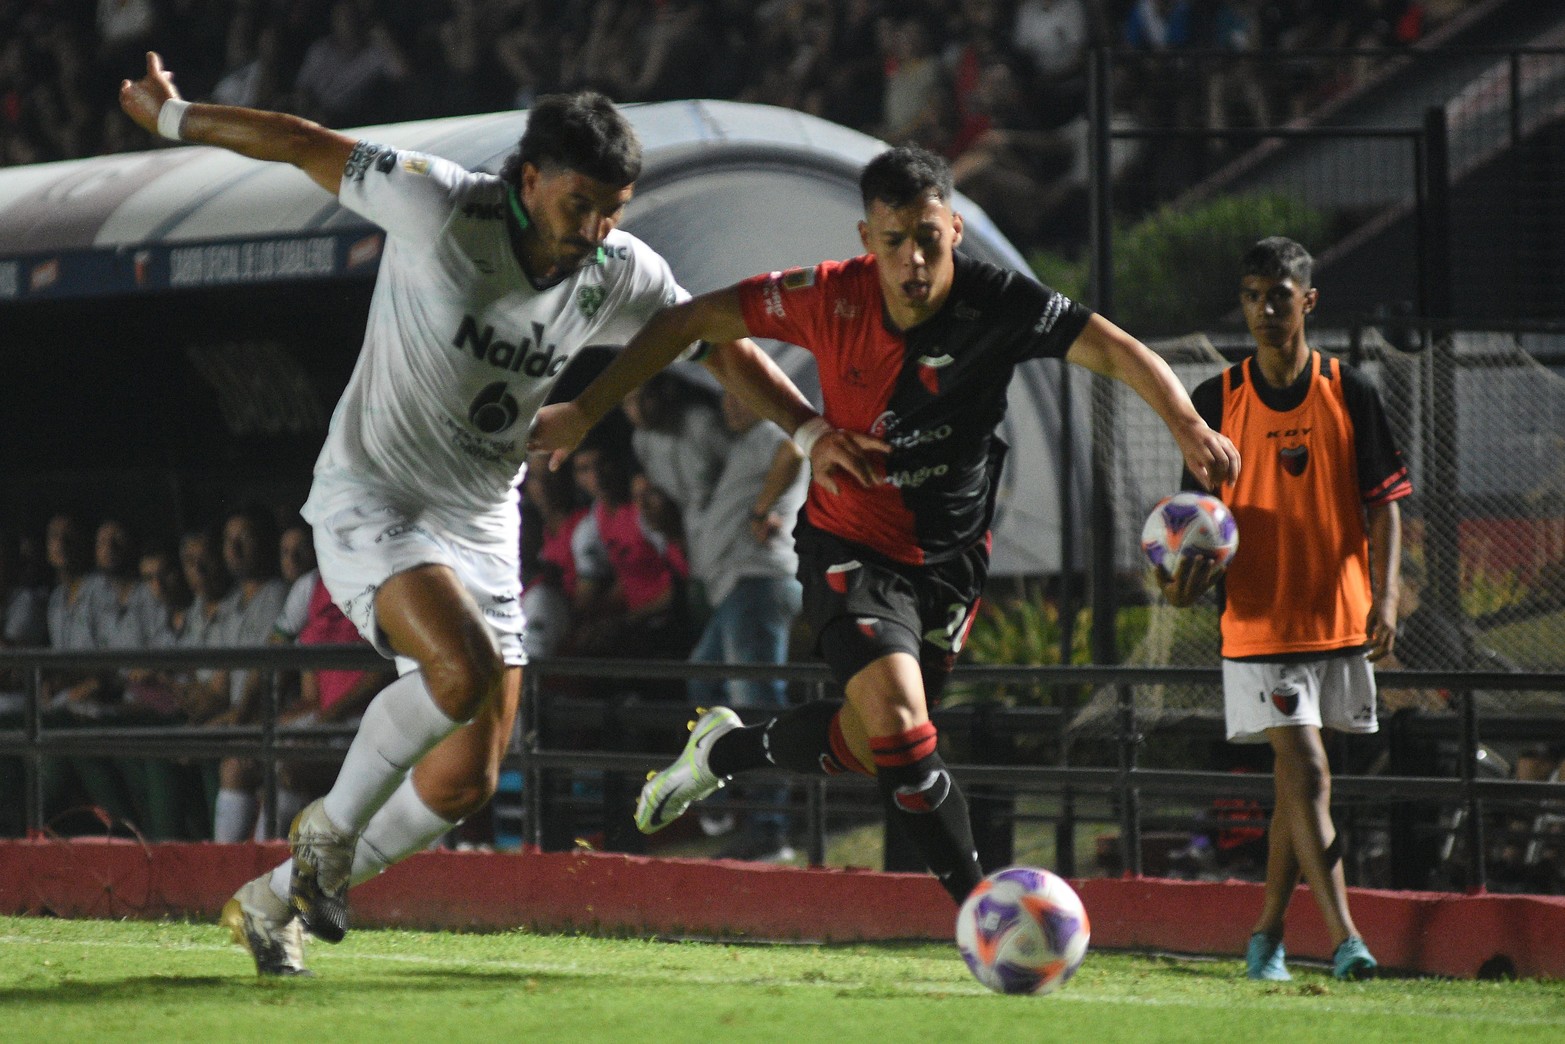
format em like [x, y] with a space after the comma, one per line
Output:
[668, 536]
[998, 86]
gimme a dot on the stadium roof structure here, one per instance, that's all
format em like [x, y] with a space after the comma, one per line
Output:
[727, 189]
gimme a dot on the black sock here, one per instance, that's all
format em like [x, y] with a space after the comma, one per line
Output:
[921, 796]
[736, 751]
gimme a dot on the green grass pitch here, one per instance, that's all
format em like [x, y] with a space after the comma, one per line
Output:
[130, 980]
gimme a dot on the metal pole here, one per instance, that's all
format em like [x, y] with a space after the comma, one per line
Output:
[532, 774]
[815, 806]
[34, 781]
[1470, 799]
[1105, 608]
[269, 702]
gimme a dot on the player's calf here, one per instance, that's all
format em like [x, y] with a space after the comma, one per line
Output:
[917, 790]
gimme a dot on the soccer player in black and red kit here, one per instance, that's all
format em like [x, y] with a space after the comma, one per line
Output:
[915, 345]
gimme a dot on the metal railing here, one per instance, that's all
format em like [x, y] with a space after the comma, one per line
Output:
[1123, 782]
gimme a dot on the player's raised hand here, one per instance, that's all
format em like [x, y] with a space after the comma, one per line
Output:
[1210, 455]
[859, 455]
[557, 430]
[142, 99]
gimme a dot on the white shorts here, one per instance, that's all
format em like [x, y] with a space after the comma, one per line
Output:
[1336, 692]
[360, 547]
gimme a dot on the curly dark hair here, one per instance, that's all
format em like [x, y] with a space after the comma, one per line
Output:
[583, 132]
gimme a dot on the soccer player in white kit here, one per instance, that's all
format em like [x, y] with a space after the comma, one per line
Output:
[487, 286]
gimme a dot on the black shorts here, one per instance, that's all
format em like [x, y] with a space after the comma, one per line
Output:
[861, 606]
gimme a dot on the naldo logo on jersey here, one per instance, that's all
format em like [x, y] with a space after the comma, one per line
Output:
[519, 357]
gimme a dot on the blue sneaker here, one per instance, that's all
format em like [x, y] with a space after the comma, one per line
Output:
[1264, 959]
[1353, 960]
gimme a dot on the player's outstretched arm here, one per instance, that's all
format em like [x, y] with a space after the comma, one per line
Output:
[1104, 348]
[559, 429]
[736, 361]
[273, 136]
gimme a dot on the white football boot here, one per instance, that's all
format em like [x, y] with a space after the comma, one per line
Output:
[322, 862]
[668, 793]
[267, 928]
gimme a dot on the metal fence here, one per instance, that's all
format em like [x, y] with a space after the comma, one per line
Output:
[1001, 754]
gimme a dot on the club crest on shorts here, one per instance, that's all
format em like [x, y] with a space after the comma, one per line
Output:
[837, 575]
[1285, 697]
[868, 626]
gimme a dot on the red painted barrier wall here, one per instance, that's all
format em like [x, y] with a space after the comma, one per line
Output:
[1432, 933]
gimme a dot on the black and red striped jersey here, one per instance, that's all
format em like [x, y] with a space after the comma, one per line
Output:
[936, 392]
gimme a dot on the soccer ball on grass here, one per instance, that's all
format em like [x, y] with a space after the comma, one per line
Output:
[1023, 930]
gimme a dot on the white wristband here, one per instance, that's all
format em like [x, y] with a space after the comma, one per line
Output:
[809, 433]
[171, 116]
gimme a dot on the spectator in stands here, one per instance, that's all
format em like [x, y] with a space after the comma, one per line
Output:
[80, 603]
[250, 551]
[204, 624]
[679, 440]
[255, 76]
[1055, 35]
[917, 106]
[853, 85]
[1236, 92]
[742, 549]
[629, 594]
[349, 74]
[23, 624]
[23, 608]
[1016, 169]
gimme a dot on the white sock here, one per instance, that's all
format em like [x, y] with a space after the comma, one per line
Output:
[403, 825]
[400, 726]
[233, 815]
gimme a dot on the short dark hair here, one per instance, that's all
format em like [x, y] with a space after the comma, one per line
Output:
[904, 175]
[1278, 257]
[583, 132]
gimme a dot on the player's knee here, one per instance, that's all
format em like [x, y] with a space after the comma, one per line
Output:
[1310, 779]
[463, 684]
[460, 798]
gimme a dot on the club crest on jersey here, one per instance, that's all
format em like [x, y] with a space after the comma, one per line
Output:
[589, 299]
[1294, 459]
[929, 367]
[883, 424]
[416, 164]
[798, 278]
[837, 575]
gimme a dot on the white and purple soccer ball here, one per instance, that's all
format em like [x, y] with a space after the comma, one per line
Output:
[1023, 930]
[1189, 525]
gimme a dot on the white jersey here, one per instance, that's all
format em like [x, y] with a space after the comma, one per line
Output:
[460, 348]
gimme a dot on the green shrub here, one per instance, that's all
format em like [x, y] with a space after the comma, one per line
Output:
[1178, 270]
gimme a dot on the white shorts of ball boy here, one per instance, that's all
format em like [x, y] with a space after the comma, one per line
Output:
[360, 546]
[1335, 692]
